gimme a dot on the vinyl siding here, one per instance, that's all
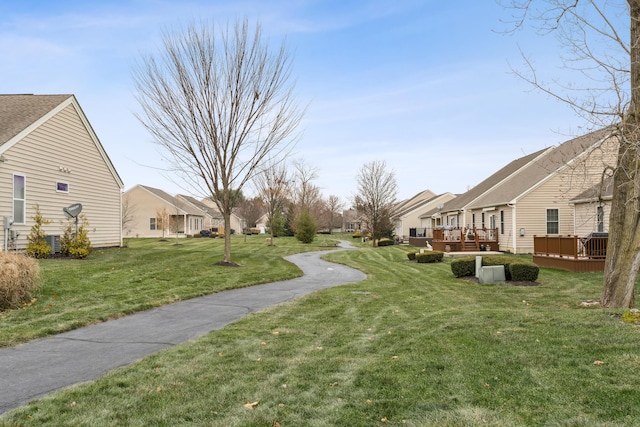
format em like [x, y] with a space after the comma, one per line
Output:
[586, 218]
[63, 141]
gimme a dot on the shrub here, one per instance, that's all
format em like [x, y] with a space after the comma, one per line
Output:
[37, 246]
[305, 227]
[412, 255]
[429, 256]
[385, 242]
[522, 271]
[356, 234]
[19, 277]
[76, 246]
[462, 267]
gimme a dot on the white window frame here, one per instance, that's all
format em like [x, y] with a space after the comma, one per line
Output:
[16, 219]
[65, 184]
[600, 219]
[153, 224]
[557, 221]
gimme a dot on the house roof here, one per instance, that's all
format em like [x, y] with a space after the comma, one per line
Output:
[168, 198]
[419, 205]
[601, 191]
[409, 204]
[18, 112]
[539, 169]
[465, 199]
[214, 213]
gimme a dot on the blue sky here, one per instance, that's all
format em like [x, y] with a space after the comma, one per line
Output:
[423, 85]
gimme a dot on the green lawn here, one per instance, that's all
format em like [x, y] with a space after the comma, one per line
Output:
[411, 345]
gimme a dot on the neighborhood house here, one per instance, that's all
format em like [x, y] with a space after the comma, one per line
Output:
[51, 159]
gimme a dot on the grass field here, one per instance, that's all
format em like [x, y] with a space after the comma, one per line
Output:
[411, 345]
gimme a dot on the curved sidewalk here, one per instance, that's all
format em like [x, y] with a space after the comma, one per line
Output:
[32, 370]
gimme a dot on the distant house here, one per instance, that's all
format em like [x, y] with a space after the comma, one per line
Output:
[530, 196]
[407, 219]
[237, 222]
[155, 213]
[50, 157]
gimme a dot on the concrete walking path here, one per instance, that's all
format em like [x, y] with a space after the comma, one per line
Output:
[34, 369]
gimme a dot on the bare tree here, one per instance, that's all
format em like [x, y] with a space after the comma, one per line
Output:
[377, 192]
[218, 105]
[332, 212]
[128, 213]
[273, 187]
[306, 195]
[594, 34]
[251, 211]
[163, 221]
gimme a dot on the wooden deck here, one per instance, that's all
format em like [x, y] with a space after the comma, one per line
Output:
[465, 239]
[573, 253]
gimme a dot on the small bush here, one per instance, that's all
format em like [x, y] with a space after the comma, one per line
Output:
[385, 242]
[37, 246]
[462, 267]
[356, 235]
[429, 256]
[524, 271]
[412, 255]
[76, 245]
[19, 277]
[305, 227]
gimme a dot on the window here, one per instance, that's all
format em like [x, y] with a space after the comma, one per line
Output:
[62, 187]
[600, 219]
[152, 224]
[473, 220]
[553, 226]
[19, 198]
[492, 222]
[483, 220]
[501, 222]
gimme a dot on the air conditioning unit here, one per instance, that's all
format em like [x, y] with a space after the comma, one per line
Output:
[54, 242]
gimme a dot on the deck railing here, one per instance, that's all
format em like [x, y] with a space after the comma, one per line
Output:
[467, 239]
[571, 246]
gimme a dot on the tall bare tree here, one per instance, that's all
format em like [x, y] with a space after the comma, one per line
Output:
[218, 103]
[332, 212]
[273, 187]
[377, 192]
[602, 41]
[251, 211]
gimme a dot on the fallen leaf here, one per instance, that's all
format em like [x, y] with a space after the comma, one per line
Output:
[263, 343]
[284, 386]
[487, 386]
[275, 332]
[159, 389]
[384, 420]
[334, 384]
[251, 405]
[72, 403]
[598, 362]
[394, 357]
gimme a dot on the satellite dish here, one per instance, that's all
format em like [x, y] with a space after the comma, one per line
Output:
[72, 211]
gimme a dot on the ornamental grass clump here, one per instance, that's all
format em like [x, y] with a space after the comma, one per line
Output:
[19, 277]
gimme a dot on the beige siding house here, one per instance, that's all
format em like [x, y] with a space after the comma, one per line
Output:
[537, 198]
[155, 213]
[51, 157]
[532, 195]
[409, 217]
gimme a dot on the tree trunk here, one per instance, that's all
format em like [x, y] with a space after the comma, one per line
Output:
[227, 237]
[623, 251]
